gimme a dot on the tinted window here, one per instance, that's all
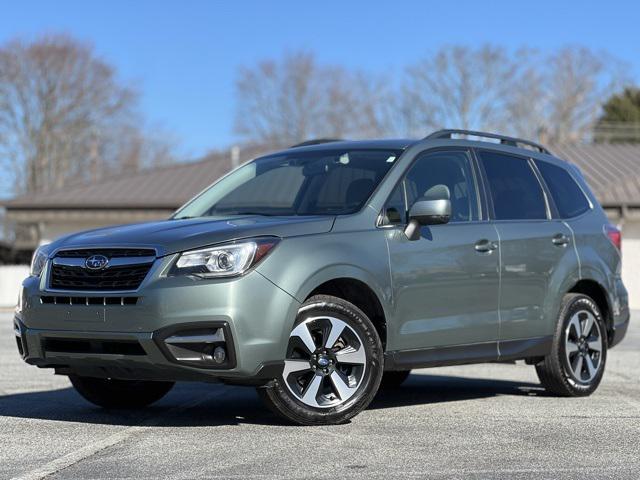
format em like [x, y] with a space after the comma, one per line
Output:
[451, 169]
[345, 187]
[513, 186]
[395, 211]
[566, 193]
[321, 182]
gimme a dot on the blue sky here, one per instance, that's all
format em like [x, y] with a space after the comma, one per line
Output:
[183, 56]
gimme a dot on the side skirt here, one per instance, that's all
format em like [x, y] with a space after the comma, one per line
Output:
[468, 354]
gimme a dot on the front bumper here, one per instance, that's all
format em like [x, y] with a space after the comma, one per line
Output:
[250, 316]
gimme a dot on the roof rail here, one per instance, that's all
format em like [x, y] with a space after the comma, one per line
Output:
[504, 140]
[316, 141]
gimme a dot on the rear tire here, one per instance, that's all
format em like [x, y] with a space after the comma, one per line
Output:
[575, 366]
[112, 393]
[393, 379]
[333, 365]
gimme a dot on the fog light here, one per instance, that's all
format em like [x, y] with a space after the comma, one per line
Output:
[219, 355]
[204, 347]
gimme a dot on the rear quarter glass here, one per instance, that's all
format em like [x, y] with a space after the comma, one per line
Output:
[567, 195]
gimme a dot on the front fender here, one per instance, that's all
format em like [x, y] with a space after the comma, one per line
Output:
[300, 264]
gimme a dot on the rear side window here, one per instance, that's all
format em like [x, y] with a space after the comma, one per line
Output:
[513, 186]
[566, 193]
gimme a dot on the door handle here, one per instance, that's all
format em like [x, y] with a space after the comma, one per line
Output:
[485, 246]
[560, 240]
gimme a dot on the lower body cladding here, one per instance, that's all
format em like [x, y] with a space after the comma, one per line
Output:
[200, 352]
[181, 330]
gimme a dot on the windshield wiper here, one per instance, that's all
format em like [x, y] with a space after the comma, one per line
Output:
[261, 214]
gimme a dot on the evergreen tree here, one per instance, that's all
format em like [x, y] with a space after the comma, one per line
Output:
[620, 120]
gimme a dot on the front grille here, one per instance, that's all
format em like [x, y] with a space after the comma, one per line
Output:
[58, 300]
[125, 272]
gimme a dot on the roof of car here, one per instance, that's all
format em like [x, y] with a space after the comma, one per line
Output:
[391, 143]
[452, 136]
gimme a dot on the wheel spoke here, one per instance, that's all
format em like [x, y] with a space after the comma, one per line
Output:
[595, 344]
[576, 325]
[310, 396]
[572, 347]
[577, 367]
[352, 356]
[337, 327]
[590, 367]
[303, 333]
[588, 325]
[292, 366]
[343, 390]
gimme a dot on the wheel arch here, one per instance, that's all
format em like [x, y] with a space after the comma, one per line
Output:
[596, 291]
[359, 293]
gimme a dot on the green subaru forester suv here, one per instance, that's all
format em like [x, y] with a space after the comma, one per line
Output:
[321, 272]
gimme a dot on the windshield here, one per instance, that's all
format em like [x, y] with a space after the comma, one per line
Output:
[327, 182]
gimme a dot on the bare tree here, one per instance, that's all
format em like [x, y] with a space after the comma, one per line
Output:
[549, 97]
[555, 97]
[578, 82]
[282, 103]
[277, 101]
[527, 98]
[64, 116]
[458, 86]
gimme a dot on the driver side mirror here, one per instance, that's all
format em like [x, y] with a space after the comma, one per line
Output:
[434, 208]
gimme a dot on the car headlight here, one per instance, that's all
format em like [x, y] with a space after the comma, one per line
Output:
[226, 260]
[38, 261]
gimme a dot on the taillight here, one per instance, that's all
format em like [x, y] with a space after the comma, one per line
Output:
[614, 235]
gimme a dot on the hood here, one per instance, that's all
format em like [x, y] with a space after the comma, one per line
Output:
[171, 236]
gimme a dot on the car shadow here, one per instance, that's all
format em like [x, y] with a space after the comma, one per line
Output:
[200, 404]
[421, 389]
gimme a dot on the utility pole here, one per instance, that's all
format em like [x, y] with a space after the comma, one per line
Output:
[235, 156]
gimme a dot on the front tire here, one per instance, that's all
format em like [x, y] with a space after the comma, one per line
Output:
[333, 365]
[575, 366]
[112, 393]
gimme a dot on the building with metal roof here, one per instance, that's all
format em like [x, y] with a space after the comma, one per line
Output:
[612, 171]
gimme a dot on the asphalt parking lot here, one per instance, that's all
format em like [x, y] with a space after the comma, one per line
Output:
[488, 421]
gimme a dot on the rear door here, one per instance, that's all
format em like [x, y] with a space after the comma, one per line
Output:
[532, 244]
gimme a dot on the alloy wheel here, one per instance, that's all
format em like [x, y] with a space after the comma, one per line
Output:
[325, 362]
[583, 346]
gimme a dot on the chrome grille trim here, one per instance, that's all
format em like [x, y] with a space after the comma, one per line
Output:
[113, 262]
[83, 252]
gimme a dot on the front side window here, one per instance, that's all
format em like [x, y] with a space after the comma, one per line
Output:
[567, 195]
[321, 182]
[515, 191]
[434, 169]
[451, 169]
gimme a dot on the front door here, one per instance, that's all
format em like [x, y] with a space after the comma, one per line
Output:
[445, 284]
